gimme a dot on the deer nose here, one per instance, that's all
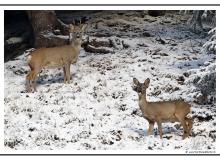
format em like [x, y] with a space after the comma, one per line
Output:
[77, 36]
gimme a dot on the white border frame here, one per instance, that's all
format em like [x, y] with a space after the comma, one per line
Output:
[2, 8]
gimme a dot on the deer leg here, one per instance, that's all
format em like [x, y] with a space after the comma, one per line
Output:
[160, 128]
[150, 129]
[183, 123]
[30, 78]
[34, 83]
[189, 124]
[28, 82]
[64, 73]
[67, 68]
[28, 85]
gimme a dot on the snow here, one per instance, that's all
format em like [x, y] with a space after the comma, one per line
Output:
[99, 110]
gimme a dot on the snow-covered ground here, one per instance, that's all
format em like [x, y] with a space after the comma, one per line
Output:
[99, 110]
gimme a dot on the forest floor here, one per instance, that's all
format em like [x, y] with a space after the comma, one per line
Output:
[99, 110]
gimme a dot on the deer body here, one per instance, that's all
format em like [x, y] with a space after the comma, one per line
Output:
[164, 111]
[56, 57]
[53, 57]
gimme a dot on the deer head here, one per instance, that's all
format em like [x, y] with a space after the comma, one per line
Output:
[140, 88]
[76, 33]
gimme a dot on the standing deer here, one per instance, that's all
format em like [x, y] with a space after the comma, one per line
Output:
[62, 56]
[165, 111]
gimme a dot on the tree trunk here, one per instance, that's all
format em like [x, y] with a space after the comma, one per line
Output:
[47, 29]
[17, 33]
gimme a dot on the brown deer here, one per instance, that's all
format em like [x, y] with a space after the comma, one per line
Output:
[61, 56]
[164, 111]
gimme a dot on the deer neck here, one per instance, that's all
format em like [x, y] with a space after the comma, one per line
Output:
[76, 45]
[142, 101]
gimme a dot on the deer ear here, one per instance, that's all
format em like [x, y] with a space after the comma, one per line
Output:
[83, 27]
[146, 82]
[136, 82]
[71, 27]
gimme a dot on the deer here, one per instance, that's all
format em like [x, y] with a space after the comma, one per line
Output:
[162, 111]
[55, 57]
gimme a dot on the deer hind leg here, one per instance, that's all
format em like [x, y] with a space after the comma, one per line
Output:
[183, 123]
[189, 124]
[150, 129]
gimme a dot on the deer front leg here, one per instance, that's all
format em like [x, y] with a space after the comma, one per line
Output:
[34, 83]
[150, 129]
[31, 80]
[160, 128]
[28, 85]
[66, 70]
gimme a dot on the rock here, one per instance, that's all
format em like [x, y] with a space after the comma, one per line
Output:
[156, 13]
[93, 49]
[100, 43]
[143, 45]
[156, 51]
[142, 60]
[201, 99]
[150, 148]
[136, 112]
[177, 126]
[167, 21]
[186, 74]
[174, 44]
[180, 80]
[160, 40]
[167, 137]
[125, 46]
[146, 34]
[205, 118]
[163, 54]
[31, 129]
